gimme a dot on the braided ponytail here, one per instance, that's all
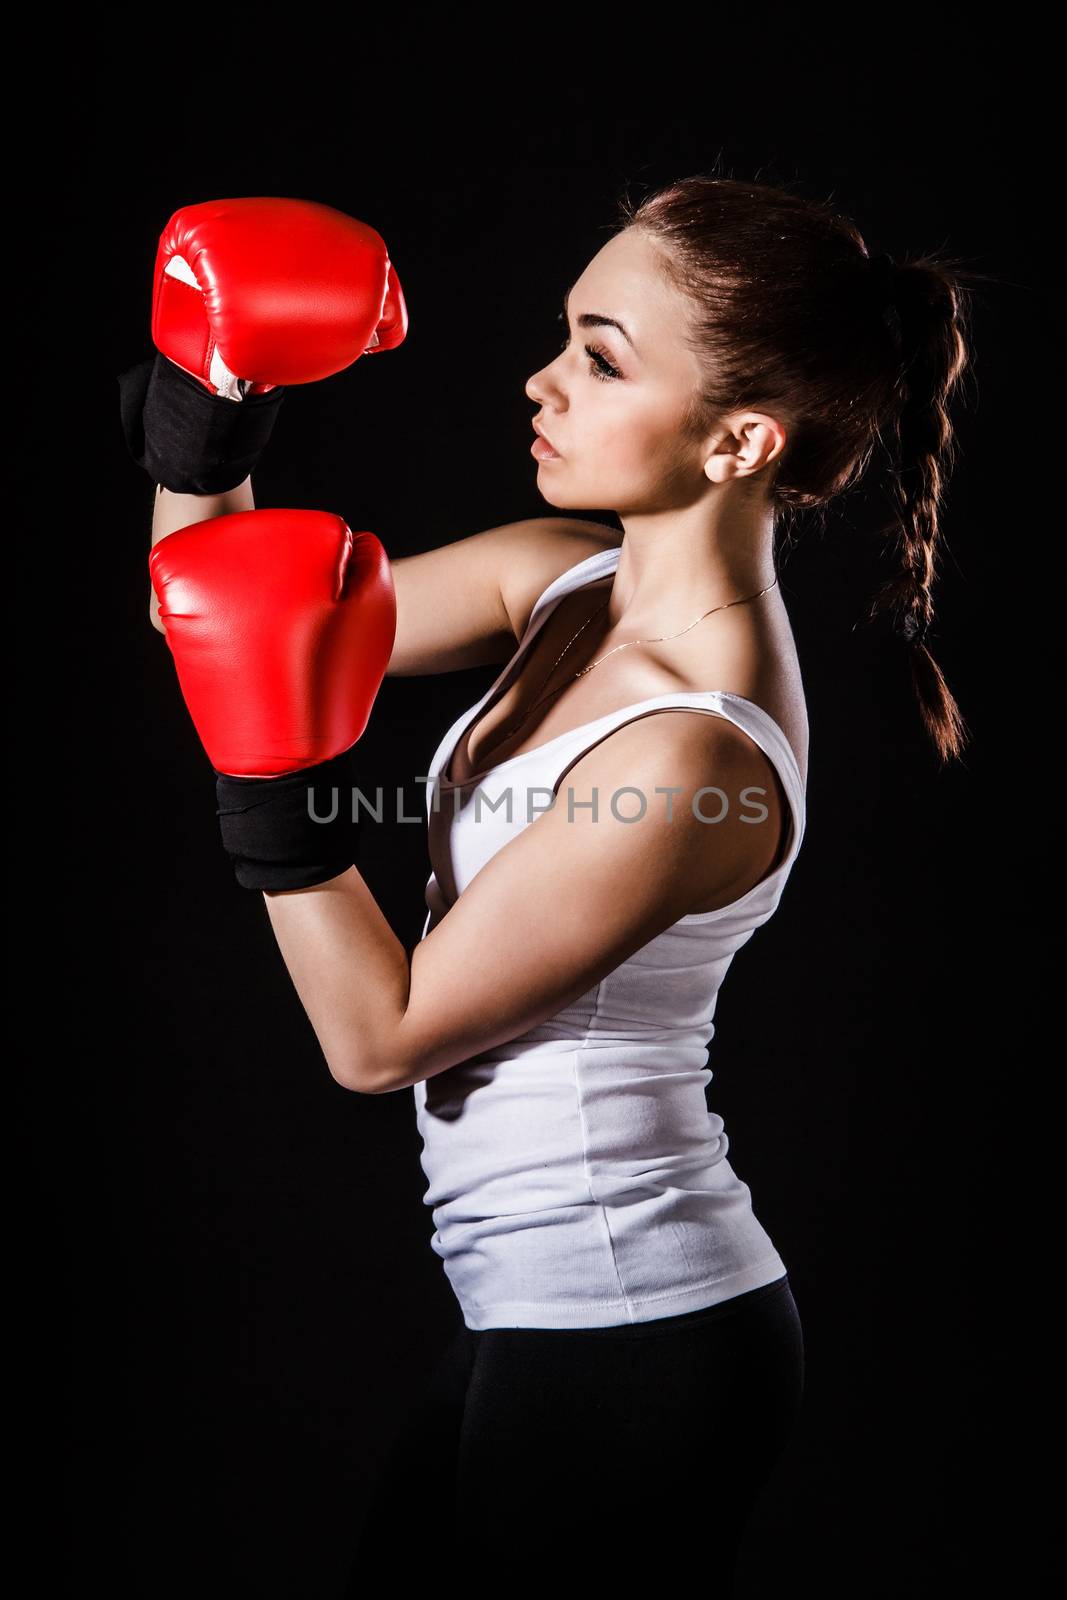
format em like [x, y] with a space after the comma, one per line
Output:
[925, 313]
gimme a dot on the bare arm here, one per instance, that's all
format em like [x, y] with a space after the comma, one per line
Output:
[172, 511]
[465, 603]
[562, 904]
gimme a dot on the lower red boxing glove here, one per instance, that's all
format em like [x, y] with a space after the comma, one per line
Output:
[281, 624]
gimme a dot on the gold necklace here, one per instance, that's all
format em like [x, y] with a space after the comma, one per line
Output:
[660, 640]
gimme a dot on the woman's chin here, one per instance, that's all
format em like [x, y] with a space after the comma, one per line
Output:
[554, 494]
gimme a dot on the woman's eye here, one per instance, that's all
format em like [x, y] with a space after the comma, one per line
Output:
[601, 367]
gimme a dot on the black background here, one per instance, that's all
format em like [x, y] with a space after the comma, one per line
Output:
[237, 1249]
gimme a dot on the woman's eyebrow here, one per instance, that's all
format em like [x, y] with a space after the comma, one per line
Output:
[593, 319]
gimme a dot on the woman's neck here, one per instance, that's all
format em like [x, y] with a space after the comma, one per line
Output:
[670, 570]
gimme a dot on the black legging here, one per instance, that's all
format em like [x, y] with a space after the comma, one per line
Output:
[633, 1451]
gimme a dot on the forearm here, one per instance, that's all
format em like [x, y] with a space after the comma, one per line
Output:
[351, 973]
[171, 511]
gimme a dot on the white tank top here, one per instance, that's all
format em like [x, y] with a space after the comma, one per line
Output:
[575, 1174]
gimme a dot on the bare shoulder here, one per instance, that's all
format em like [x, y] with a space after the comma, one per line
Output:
[700, 748]
[534, 553]
[697, 791]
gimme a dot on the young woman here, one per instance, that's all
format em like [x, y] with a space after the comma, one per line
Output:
[630, 1361]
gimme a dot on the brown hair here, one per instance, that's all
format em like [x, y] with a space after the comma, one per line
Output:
[795, 317]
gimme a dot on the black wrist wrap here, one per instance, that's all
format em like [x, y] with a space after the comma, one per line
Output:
[187, 439]
[270, 831]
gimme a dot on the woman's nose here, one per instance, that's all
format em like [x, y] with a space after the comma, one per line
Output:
[539, 386]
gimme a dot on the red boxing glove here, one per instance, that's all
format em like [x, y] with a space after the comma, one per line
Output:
[281, 625]
[272, 292]
[250, 296]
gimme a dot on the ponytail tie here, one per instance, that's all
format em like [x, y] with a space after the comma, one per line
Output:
[882, 269]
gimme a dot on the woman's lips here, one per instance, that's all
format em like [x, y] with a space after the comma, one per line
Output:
[542, 450]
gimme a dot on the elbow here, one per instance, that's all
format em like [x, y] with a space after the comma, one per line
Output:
[361, 1077]
[369, 1065]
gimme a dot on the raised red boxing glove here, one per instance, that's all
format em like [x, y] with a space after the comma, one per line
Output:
[272, 291]
[281, 624]
[250, 296]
